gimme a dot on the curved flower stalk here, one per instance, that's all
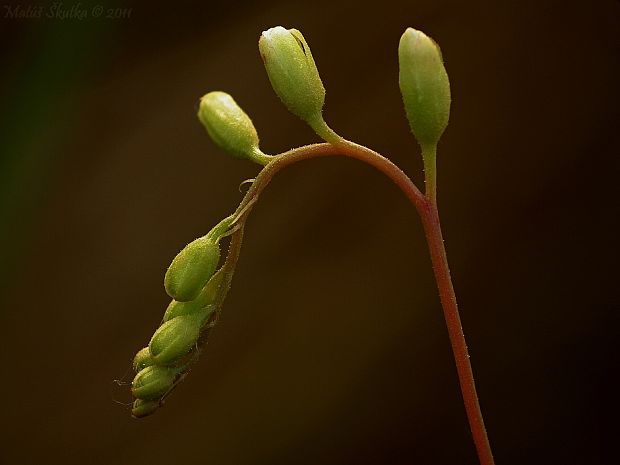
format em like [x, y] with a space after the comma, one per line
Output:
[198, 287]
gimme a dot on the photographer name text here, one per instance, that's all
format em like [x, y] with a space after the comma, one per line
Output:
[63, 11]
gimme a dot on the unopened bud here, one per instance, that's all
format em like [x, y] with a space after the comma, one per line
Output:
[202, 313]
[192, 268]
[174, 339]
[204, 304]
[142, 408]
[292, 72]
[153, 382]
[230, 127]
[142, 359]
[424, 86]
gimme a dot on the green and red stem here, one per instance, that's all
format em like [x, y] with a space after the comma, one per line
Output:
[426, 205]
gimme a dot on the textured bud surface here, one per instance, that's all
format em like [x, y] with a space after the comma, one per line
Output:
[142, 408]
[142, 359]
[153, 382]
[202, 312]
[191, 269]
[424, 86]
[204, 304]
[292, 71]
[212, 288]
[228, 125]
[174, 339]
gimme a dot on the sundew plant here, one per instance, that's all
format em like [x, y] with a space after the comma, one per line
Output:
[198, 278]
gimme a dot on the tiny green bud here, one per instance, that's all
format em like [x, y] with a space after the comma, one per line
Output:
[192, 268]
[153, 382]
[176, 308]
[143, 408]
[424, 86]
[142, 359]
[203, 305]
[174, 339]
[292, 72]
[229, 126]
[201, 312]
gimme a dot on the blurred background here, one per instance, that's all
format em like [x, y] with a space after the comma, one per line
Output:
[332, 347]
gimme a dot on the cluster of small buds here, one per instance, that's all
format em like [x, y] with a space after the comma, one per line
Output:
[197, 291]
[293, 74]
[192, 281]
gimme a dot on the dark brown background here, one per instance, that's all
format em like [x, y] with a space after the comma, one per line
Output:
[332, 348]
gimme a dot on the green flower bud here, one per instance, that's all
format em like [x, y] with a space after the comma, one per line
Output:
[424, 86]
[174, 339]
[153, 382]
[292, 72]
[201, 304]
[195, 264]
[142, 359]
[230, 127]
[143, 408]
[176, 308]
[192, 268]
[201, 312]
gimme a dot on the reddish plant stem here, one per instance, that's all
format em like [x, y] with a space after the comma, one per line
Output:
[348, 149]
[426, 206]
[447, 296]
[434, 238]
